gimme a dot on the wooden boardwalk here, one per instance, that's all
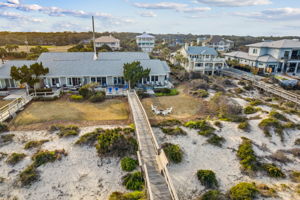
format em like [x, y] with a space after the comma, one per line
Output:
[151, 158]
[257, 82]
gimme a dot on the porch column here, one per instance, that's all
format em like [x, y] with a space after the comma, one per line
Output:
[1, 84]
[213, 69]
[296, 69]
[204, 67]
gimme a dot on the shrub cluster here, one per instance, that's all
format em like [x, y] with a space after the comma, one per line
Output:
[212, 195]
[204, 127]
[216, 140]
[173, 152]
[34, 144]
[268, 123]
[277, 115]
[128, 164]
[173, 131]
[244, 126]
[31, 174]
[165, 92]
[75, 97]
[89, 138]
[297, 141]
[116, 142]
[3, 127]
[97, 97]
[65, 131]
[88, 92]
[133, 181]
[243, 191]
[250, 110]
[136, 195]
[207, 178]
[170, 122]
[7, 138]
[295, 176]
[255, 102]
[14, 158]
[247, 156]
[273, 170]
[200, 93]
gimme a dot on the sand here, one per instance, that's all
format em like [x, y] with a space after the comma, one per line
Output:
[82, 174]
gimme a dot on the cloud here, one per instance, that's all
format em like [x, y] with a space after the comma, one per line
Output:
[13, 1]
[273, 14]
[18, 16]
[147, 14]
[235, 3]
[171, 6]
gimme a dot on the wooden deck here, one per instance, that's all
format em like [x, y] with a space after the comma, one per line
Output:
[151, 158]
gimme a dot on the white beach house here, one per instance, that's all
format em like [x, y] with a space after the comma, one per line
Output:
[110, 41]
[145, 42]
[281, 56]
[79, 68]
[199, 59]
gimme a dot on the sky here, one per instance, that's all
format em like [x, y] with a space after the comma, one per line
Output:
[216, 17]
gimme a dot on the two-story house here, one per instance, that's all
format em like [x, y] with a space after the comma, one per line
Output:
[110, 41]
[282, 56]
[145, 42]
[198, 59]
[218, 43]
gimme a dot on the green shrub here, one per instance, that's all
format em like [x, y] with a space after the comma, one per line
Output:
[232, 118]
[238, 90]
[273, 170]
[76, 97]
[266, 124]
[277, 115]
[201, 93]
[3, 127]
[207, 178]
[290, 104]
[246, 155]
[295, 176]
[218, 124]
[136, 195]
[256, 102]
[65, 131]
[14, 158]
[89, 138]
[205, 128]
[33, 144]
[133, 181]
[250, 110]
[114, 142]
[85, 91]
[128, 164]
[29, 175]
[216, 140]
[212, 195]
[173, 152]
[173, 131]
[166, 92]
[297, 141]
[45, 156]
[170, 122]
[243, 126]
[98, 97]
[243, 191]
[7, 138]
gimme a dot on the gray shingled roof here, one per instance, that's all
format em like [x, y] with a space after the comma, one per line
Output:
[145, 35]
[82, 64]
[244, 55]
[201, 50]
[277, 44]
[123, 56]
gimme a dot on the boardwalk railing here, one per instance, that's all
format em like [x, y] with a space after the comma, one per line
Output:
[13, 107]
[257, 82]
[161, 158]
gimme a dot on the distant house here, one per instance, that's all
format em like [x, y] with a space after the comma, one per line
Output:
[110, 41]
[218, 43]
[145, 42]
[270, 56]
[198, 59]
[79, 68]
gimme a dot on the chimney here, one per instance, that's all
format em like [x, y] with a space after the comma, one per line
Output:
[186, 46]
[95, 52]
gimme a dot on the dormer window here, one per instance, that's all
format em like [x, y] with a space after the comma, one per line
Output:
[254, 51]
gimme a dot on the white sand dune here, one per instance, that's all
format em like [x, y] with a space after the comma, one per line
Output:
[82, 174]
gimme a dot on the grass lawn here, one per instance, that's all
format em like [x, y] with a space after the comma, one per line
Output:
[50, 48]
[184, 106]
[66, 111]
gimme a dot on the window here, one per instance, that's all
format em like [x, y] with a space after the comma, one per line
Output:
[154, 78]
[119, 81]
[55, 81]
[286, 54]
[254, 51]
[100, 80]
